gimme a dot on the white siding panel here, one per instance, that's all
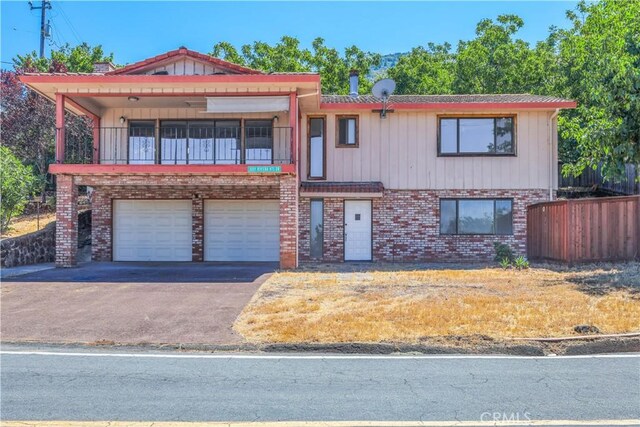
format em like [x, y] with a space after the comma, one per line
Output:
[401, 151]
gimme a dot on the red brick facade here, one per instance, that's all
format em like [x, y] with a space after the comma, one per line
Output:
[66, 221]
[195, 188]
[406, 227]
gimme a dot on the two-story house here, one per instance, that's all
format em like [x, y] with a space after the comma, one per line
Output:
[197, 159]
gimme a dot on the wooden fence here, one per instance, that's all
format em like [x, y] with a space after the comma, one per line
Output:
[590, 178]
[585, 230]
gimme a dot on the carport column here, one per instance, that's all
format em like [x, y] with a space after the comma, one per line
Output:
[197, 224]
[101, 224]
[66, 221]
[288, 221]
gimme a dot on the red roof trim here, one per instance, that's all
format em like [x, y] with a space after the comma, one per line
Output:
[447, 105]
[144, 78]
[182, 52]
[98, 169]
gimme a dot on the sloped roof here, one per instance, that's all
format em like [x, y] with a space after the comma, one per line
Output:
[443, 99]
[183, 52]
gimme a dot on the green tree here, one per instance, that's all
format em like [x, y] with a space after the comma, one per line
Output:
[288, 56]
[599, 57]
[425, 71]
[495, 62]
[77, 59]
[16, 184]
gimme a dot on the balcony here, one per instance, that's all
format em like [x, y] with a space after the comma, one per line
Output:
[199, 144]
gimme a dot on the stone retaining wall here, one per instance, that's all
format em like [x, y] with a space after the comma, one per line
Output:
[40, 246]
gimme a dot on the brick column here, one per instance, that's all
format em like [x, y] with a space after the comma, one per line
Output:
[101, 225]
[66, 221]
[288, 221]
[197, 224]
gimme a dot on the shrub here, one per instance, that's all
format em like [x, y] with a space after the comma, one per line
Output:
[521, 263]
[505, 263]
[502, 251]
[17, 183]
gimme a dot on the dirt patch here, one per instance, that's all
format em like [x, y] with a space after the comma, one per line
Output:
[28, 224]
[415, 304]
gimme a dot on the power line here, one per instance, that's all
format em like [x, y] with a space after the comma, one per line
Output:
[45, 4]
[66, 18]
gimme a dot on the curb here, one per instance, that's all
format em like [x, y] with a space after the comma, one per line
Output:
[461, 346]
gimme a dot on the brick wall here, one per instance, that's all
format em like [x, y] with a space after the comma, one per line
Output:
[197, 189]
[66, 221]
[406, 227]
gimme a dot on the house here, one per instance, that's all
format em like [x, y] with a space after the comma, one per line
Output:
[197, 159]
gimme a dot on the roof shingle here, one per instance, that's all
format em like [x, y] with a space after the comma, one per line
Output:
[443, 99]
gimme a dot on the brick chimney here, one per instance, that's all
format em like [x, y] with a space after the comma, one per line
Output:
[103, 67]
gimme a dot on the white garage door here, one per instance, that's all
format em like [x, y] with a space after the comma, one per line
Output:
[152, 230]
[241, 230]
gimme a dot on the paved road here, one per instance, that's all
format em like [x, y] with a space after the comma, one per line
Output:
[190, 387]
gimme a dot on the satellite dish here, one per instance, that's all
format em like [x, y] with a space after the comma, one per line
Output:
[383, 89]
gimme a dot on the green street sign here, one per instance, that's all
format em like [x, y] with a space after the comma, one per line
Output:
[262, 169]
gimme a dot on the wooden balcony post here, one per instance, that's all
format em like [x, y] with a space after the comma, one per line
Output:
[96, 139]
[60, 138]
[293, 120]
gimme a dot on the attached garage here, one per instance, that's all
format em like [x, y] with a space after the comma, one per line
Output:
[152, 230]
[241, 230]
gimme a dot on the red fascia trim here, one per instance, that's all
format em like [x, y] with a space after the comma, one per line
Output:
[95, 169]
[448, 105]
[143, 78]
[183, 53]
[156, 94]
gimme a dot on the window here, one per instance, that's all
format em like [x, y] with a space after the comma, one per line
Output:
[258, 140]
[477, 136]
[317, 231]
[200, 142]
[476, 216]
[142, 143]
[316, 148]
[347, 131]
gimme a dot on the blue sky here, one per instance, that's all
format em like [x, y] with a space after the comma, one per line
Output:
[137, 30]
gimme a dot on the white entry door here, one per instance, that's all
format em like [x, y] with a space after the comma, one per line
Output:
[357, 230]
[152, 230]
[241, 230]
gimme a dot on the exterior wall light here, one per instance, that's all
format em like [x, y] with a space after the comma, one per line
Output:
[122, 119]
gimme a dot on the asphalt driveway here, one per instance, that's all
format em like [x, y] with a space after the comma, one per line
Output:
[130, 303]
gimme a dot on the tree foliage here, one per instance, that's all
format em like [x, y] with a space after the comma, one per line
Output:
[287, 56]
[28, 119]
[599, 56]
[16, 185]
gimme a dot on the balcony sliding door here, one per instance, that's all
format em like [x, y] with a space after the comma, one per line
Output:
[173, 143]
[142, 143]
[227, 142]
[258, 140]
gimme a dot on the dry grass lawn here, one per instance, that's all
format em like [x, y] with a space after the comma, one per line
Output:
[28, 224]
[398, 304]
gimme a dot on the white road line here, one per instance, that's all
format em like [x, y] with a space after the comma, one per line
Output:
[631, 422]
[309, 357]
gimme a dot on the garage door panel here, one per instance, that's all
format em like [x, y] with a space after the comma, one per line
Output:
[152, 230]
[242, 230]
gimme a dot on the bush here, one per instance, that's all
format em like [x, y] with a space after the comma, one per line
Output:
[503, 251]
[521, 263]
[17, 183]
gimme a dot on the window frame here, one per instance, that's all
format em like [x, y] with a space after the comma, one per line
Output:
[311, 256]
[513, 117]
[457, 200]
[324, 147]
[357, 120]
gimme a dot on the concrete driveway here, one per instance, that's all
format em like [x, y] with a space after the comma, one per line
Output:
[130, 303]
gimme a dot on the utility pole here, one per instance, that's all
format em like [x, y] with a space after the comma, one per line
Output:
[46, 4]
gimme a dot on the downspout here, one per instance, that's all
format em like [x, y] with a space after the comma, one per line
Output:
[551, 165]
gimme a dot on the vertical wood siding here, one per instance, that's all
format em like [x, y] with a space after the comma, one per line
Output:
[401, 151]
[584, 230]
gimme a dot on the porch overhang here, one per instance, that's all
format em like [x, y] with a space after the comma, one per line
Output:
[352, 190]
